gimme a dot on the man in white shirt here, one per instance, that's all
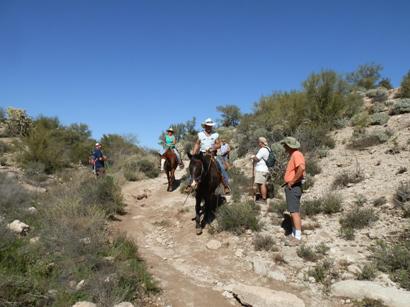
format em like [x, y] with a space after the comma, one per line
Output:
[209, 141]
[261, 169]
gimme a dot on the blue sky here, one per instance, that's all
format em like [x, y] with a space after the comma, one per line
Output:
[134, 67]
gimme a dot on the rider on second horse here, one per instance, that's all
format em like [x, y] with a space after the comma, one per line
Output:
[208, 141]
[169, 142]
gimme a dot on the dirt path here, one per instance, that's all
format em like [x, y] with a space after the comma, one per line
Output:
[189, 273]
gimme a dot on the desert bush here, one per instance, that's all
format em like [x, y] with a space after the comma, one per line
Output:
[35, 172]
[312, 137]
[378, 119]
[366, 75]
[401, 198]
[308, 183]
[347, 233]
[394, 259]
[4, 147]
[378, 108]
[379, 201]
[3, 115]
[14, 198]
[104, 193]
[360, 120]
[18, 123]
[385, 83]
[231, 115]
[312, 167]
[278, 206]
[263, 242]
[307, 253]
[401, 106]
[362, 140]
[360, 200]
[329, 204]
[322, 249]
[378, 94]
[368, 302]
[239, 183]
[405, 86]
[238, 217]
[358, 218]
[130, 175]
[148, 168]
[368, 272]
[323, 272]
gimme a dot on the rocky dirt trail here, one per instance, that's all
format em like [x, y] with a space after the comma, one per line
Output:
[192, 270]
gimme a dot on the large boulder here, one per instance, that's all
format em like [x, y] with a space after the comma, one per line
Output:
[124, 304]
[360, 289]
[84, 304]
[264, 297]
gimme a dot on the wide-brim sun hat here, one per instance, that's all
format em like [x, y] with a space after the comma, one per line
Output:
[291, 142]
[97, 144]
[170, 129]
[263, 140]
[208, 122]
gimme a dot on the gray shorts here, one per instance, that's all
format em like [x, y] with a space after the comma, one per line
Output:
[293, 196]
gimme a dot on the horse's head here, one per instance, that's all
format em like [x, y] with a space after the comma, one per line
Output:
[196, 168]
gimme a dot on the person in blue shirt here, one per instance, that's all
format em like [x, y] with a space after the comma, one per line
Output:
[98, 160]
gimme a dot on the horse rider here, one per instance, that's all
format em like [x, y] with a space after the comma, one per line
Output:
[169, 142]
[209, 141]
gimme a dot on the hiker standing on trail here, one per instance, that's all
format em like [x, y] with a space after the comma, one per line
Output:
[223, 154]
[98, 160]
[261, 169]
[208, 141]
[294, 175]
[169, 142]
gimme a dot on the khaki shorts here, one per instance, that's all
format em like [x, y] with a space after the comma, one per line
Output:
[261, 177]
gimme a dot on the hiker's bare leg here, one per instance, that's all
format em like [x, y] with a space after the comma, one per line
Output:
[296, 220]
[263, 190]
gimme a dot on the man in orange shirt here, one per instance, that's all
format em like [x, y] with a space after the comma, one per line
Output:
[295, 172]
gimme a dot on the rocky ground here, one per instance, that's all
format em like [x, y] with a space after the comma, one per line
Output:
[225, 270]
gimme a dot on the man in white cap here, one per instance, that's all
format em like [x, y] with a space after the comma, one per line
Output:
[98, 160]
[261, 169]
[209, 141]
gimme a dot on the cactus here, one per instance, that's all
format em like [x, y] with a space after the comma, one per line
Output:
[18, 122]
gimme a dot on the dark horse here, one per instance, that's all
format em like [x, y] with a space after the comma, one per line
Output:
[205, 179]
[170, 166]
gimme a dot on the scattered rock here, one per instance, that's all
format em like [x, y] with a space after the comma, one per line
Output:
[124, 304]
[239, 253]
[214, 244]
[86, 240]
[264, 297]
[34, 240]
[18, 227]
[266, 268]
[80, 285]
[142, 196]
[360, 289]
[354, 269]
[84, 304]
[32, 210]
[311, 279]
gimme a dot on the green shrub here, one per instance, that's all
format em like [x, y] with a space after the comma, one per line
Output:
[401, 198]
[263, 242]
[405, 86]
[4, 147]
[238, 183]
[278, 206]
[345, 178]
[368, 302]
[14, 198]
[368, 272]
[378, 119]
[329, 204]
[360, 200]
[366, 75]
[3, 116]
[385, 83]
[347, 233]
[323, 272]
[394, 260]
[309, 182]
[377, 108]
[307, 253]
[148, 168]
[130, 175]
[378, 94]
[238, 217]
[104, 193]
[35, 172]
[312, 167]
[18, 122]
[379, 201]
[358, 218]
[401, 106]
[322, 249]
[360, 119]
[362, 140]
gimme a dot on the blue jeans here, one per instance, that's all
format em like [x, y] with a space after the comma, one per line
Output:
[221, 167]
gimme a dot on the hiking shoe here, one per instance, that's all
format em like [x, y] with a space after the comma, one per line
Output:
[181, 166]
[292, 241]
[261, 202]
[227, 190]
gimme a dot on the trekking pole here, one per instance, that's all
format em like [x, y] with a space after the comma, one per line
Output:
[252, 190]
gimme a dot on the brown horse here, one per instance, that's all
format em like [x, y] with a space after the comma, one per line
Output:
[205, 179]
[170, 166]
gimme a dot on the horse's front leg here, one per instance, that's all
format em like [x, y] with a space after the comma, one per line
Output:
[198, 215]
[172, 179]
[169, 181]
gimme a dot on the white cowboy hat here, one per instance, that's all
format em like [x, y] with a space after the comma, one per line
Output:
[97, 144]
[170, 129]
[208, 122]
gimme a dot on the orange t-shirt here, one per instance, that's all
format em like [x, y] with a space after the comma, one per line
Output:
[296, 160]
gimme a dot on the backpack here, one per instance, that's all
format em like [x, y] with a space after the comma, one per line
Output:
[270, 162]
